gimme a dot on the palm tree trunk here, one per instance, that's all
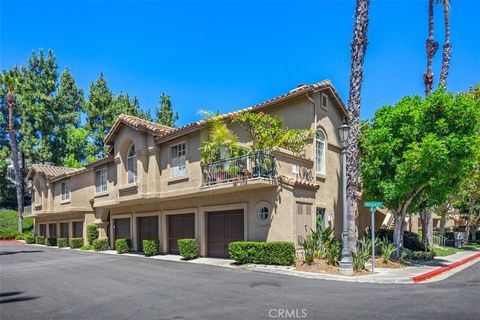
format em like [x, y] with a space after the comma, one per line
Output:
[358, 49]
[431, 47]
[447, 47]
[18, 180]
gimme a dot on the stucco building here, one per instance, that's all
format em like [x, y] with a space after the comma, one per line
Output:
[153, 186]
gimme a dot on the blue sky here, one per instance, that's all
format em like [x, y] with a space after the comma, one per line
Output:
[229, 55]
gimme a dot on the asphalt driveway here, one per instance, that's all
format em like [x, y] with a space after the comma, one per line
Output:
[47, 283]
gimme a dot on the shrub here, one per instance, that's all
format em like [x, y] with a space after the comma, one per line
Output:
[40, 240]
[86, 247]
[188, 248]
[275, 252]
[123, 245]
[422, 256]
[405, 254]
[62, 242]
[150, 247]
[8, 235]
[309, 246]
[92, 233]
[359, 258]
[387, 249]
[410, 239]
[100, 244]
[51, 241]
[334, 253]
[75, 243]
[29, 238]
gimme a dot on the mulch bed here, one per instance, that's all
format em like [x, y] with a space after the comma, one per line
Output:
[321, 266]
[390, 265]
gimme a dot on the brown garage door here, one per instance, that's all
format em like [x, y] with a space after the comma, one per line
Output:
[180, 226]
[122, 228]
[52, 230]
[43, 230]
[147, 230]
[224, 227]
[64, 230]
[77, 229]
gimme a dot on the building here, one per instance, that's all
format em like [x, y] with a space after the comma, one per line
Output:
[153, 186]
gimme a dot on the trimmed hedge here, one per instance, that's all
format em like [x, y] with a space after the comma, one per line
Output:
[50, 241]
[40, 240]
[92, 233]
[275, 252]
[188, 248]
[123, 245]
[422, 256]
[29, 238]
[62, 242]
[150, 247]
[75, 243]
[411, 240]
[9, 235]
[100, 244]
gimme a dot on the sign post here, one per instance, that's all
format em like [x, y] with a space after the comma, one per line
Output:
[373, 205]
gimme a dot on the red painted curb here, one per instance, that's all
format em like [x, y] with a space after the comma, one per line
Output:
[440, 270]
[14, 241]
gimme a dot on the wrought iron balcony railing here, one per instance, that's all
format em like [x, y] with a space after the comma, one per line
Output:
[253, 165]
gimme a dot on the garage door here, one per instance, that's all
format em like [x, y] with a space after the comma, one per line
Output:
[122, 228]
[224, 227]
[147, 230]
[43, 230]
[52, 230]
[64, 230]
[77, 229]
[180, 226]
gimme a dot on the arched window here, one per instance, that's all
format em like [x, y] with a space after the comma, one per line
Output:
[320, 151]
[132, 164]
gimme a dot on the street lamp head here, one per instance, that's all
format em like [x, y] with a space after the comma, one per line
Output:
[344, 130]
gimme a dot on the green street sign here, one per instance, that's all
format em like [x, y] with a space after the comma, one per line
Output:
[373, 204]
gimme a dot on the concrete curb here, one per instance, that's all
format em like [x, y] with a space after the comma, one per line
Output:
[438, 271]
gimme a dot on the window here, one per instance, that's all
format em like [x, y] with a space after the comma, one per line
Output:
[324, 101]
[264, 212]
[178, 160]
[101, 180]
[131, 165]
[66, 190]
[320, 152]
[320, 218]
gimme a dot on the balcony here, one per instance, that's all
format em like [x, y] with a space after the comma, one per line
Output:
[256, 165]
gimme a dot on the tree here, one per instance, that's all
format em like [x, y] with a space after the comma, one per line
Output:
[447, 47]
[431, 47]
[358, 49]
[419, 149]
[165, 114]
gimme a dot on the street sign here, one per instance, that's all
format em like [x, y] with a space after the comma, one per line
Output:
[373, 204]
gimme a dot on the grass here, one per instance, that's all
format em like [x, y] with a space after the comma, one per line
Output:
[447, 251]
[9, 224]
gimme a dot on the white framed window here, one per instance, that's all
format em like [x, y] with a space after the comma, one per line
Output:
[66, 190]
[131, 165]
[320, 151]
[101, 180]
[324, 101]
[178, 159]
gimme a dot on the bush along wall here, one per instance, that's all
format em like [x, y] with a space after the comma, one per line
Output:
[275, 252]
[411, 240]
[51, 241]
[92, 233]
[62, 242]
[150, 247]
[29, 238]
[100, 244]
[123, 245]
[188, 248]
[76, 243]
[40, 240]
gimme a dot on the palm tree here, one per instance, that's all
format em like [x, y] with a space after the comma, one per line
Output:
[431, 46]
[447, 47]
[358, 49]
[9, 83]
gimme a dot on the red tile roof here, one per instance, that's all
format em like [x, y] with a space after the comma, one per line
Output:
[49, 171]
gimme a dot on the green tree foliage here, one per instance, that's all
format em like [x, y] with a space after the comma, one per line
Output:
[219, 137]
[419, 147]
[165, 114]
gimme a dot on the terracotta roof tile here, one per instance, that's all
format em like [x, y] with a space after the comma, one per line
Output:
[51, 172]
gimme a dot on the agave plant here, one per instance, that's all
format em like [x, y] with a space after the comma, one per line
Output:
[334, 253]
[387, 249]
[359, 258]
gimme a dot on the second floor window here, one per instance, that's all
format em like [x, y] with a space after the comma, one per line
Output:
[320, 152]
[178, 159]
[65, 190]
[101, 180]
[131, 165]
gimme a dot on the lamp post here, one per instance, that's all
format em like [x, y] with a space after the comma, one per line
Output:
[346, 262]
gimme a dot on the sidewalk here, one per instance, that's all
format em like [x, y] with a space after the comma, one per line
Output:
[383, 275]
